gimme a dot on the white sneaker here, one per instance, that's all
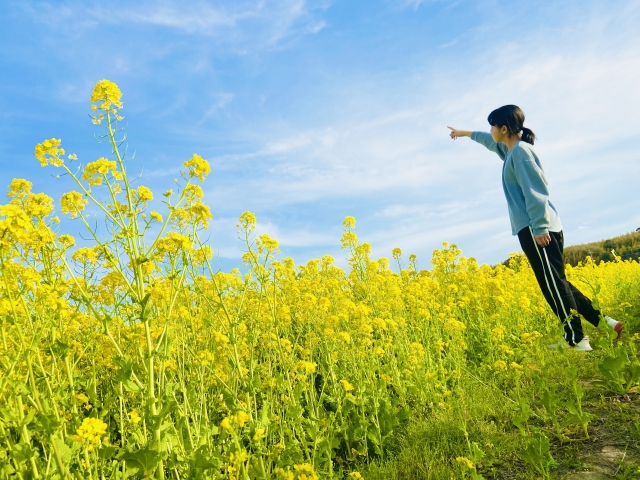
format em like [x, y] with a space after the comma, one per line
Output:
[582, 346]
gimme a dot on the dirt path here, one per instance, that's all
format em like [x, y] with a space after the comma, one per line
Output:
[614, 448]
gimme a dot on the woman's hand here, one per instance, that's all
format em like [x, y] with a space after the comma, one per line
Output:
[455, 133]
[543, 240]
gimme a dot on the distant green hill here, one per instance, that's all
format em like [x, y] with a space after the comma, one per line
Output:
[626, 246]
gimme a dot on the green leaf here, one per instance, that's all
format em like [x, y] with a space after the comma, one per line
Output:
[295, 412]
[107, 452]
[131, 386]
[65, 452]
[60, 348]
[146, 459]
[476, 453]
[403, 414]
[19, 388]
[22, 452]
[264, 415]
[550, 402]
[27, 419]
[229, 399]
[203, 461]
[537, 453]
[522, 415]
[46, 424]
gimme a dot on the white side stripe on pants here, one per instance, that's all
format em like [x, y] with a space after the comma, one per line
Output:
[535, 244]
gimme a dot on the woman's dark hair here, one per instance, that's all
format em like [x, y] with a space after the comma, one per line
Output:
[512, 117]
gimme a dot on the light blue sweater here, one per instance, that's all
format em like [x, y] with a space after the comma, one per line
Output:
[525, 187]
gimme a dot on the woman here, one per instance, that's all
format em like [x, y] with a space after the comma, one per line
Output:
[535, 220]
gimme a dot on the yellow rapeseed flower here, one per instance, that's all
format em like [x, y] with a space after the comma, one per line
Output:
[144, 194]
[90, 432]
[306, 367]
[66, 240]
[349, 222]
[107, 95]
[134, 417]
[95, 171]
[453, 326]
[226, 424]
[344, 336]
[48, 152]
[500, 365]
[305, 471]
[173, 242]
[72, 203]
[346, 385]
[498, 333]
[247, 220]
[19, 188]
[241, 418]
[198, 167]
[465, 463]
[505, 349]
[82, 398]
[201, 214]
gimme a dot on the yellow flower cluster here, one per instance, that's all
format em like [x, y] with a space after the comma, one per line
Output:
[237, 420]
[15, 224]
[73, 203]
[198, 167]
[95, 172]
[346, 385]
[173, 243]
[465, 463]
[90, 432]
[134, 417]
[304, 471]
[144, 194]
[107, 95]
[49, 152]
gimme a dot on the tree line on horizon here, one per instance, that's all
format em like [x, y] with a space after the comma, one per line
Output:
[626, 246]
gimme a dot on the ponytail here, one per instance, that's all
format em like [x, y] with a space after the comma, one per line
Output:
[512, 117]
[528, 136]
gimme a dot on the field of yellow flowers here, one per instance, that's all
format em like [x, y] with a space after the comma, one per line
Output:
[130, 356]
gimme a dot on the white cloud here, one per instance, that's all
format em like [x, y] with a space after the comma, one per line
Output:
[412, 3]
[220, 101]
[288, 237]
[240, 26]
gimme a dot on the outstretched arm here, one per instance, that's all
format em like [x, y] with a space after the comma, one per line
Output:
[483, 139]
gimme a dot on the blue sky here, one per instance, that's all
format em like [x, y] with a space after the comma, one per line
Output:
[309, 111]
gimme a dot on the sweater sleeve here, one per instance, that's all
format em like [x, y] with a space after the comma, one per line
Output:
[534, 187]
[486, 139]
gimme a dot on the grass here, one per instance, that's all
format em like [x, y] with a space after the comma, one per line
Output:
[426, 449]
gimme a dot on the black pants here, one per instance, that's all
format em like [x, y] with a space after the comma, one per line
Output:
[562, 297]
